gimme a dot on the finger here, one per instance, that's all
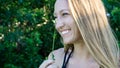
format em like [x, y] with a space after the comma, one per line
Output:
[52, 66]
[46, 63]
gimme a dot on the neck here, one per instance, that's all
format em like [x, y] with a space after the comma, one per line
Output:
[80, 51]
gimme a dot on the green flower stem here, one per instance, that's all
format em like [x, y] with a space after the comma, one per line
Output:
[53, 45]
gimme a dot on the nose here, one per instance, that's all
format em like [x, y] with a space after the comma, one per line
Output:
[59, 23]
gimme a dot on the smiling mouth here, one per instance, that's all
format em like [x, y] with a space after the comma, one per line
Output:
[65, 32]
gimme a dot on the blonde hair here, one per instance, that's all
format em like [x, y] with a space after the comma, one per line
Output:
[96, 32]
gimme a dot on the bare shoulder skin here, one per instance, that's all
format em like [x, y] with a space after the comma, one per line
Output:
[73, 63]
[58, 56]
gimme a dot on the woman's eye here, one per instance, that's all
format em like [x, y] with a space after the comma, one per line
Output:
[64, 14]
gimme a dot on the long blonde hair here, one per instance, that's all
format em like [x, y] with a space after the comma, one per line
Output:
[90, 16]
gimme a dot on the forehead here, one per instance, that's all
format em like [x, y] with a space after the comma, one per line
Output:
[60, 5]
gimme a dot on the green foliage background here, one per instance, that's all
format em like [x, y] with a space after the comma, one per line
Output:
[27, 31]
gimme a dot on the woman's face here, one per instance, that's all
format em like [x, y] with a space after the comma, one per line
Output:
[65, 23]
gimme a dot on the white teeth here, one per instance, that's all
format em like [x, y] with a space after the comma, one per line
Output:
[64, 32]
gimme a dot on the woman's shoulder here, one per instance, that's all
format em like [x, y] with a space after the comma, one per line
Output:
[58, 56]
[57, 53]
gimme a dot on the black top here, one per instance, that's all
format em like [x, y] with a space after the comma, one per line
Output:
[66, 59]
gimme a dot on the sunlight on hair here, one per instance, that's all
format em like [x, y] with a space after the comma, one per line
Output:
[91, 18]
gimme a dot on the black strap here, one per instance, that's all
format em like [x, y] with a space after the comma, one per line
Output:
[66, 61]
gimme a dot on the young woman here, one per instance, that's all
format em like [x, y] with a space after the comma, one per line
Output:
[87, 36]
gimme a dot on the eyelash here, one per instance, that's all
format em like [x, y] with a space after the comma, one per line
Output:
[63, 14]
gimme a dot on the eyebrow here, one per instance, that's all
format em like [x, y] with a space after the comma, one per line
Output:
[61, 11]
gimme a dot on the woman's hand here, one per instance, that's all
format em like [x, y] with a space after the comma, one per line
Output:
[48, 64]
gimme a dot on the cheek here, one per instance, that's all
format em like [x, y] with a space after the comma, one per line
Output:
[76, 32]
[76, 35]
